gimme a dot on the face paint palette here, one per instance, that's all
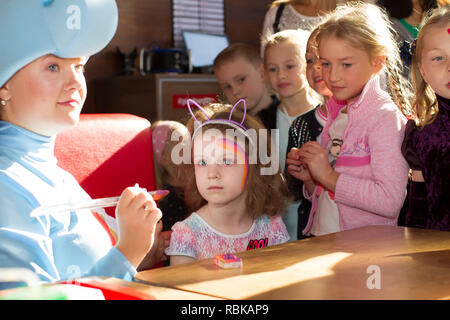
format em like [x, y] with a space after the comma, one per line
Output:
[227, 261]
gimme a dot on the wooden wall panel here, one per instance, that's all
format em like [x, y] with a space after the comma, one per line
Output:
[148, 23]
[244, 19]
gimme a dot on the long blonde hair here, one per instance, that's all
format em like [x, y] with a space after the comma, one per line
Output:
[367, 27]
[425, 106]
[298, 37]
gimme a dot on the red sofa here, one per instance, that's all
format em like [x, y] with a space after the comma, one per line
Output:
[107, 153]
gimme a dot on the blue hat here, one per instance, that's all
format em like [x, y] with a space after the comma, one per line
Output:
[30, 29]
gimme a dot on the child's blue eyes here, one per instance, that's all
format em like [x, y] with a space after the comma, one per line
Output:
[226, 162]
[274, 69]
[327, 65]
[438, 58]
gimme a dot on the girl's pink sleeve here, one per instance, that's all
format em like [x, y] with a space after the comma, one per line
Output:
[182, 241]
[384, 192]
[278, 231]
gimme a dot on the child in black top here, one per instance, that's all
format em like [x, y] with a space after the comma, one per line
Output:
[305, 128]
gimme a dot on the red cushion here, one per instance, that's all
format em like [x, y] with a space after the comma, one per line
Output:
[107, 153]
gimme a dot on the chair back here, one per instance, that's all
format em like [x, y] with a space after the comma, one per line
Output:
[107, 153]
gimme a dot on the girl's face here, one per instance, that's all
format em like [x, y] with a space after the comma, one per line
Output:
[286, 68]
[46, 96]
[346, 69]
[240, 79]
[221, 168]
[314, 71]
[435, 61]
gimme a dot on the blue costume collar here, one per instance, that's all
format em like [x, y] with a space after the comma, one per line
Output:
[26, 144]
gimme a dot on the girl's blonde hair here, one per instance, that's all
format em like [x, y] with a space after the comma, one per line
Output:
[298, 37]
[425, 106]
[367, 27]
[266, 194]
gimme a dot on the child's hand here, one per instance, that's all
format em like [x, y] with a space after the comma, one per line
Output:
[156, 253]
[137, 217]
[315, 157]
[295, 166]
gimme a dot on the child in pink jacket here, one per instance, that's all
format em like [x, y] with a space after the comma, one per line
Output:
[357, 175]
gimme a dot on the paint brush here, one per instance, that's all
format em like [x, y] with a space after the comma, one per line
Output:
[89, 204]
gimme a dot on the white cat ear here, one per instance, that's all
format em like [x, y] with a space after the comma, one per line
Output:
[189, 101]
[245, 110]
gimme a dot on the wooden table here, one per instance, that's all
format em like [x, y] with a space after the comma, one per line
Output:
[375, 262]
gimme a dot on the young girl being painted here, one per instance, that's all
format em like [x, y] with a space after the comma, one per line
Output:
[426, 146]
[236, 204]
[367, 184]
[284, 60]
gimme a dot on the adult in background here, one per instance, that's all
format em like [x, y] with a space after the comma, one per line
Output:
[295, 14]
[406, 17]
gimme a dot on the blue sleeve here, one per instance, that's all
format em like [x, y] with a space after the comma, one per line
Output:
[114, 264]
[33, 243]
[21, 250]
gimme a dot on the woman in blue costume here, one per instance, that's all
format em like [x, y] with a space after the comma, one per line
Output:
[45, 45]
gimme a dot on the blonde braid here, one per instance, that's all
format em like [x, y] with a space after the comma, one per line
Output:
[399, 89]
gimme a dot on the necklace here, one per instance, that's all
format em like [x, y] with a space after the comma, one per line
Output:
[286, 116]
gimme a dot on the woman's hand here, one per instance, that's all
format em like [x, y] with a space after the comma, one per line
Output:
[137, 217]
[315, 157]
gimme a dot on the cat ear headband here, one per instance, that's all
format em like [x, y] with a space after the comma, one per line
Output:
[229, 122]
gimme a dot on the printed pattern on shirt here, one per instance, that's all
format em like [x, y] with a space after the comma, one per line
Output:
[193, 237]
[356, 154]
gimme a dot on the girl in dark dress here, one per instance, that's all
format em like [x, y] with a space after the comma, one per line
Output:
[426, 146]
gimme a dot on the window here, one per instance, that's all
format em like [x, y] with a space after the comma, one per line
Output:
[196, 15]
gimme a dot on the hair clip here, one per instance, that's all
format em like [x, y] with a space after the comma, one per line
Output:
[407, 50]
